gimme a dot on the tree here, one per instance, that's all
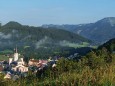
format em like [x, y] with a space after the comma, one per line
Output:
[0, 25]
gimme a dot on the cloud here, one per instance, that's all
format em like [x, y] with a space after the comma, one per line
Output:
[67, 43]
[42, 41]
[64, 43]
[4, 36]
[14, 31]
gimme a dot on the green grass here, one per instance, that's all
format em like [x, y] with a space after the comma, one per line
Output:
[76, 45]
[3, 57]
[6, 52]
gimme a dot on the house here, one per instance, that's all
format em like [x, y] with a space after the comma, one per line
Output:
[20, 68]
[14, 57]
[33, 62]
[37, 63]
[11, 76]
[1, 62]
[1, 68]
[8, 76]
[43, 62]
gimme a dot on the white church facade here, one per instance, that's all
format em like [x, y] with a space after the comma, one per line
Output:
[20, 67]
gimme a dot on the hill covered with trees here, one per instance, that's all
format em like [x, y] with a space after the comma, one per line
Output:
[37, 40]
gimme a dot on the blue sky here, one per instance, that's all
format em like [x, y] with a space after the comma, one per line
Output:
[38, 12]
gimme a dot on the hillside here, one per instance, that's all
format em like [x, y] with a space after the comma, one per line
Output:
[32, 39]
[110, 45]
[99, 32]
[15, 32]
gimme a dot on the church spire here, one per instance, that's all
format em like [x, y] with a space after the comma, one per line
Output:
[16, 49]
[16, 54]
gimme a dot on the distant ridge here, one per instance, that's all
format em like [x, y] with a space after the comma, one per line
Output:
[99, 32]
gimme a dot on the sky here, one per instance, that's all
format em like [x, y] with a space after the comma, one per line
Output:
[38, 12]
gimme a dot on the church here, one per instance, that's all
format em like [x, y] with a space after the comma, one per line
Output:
[17, 64]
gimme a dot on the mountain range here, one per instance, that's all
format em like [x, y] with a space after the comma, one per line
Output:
[55, 39]
[99, 32]
[13, 32]
[37, 40]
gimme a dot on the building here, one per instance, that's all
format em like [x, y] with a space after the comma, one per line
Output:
[16, 55]
[15, 59]
[1, 68]
[1, 62]
[8, 76]
[20, 62]
[38, 63]
[20, 68]
[33, 62]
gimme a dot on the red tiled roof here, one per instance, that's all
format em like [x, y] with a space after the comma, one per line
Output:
[34, 60]
[43, 61]
[1, 68]
[39, 61]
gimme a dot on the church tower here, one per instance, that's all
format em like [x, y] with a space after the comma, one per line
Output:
[16, 55]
